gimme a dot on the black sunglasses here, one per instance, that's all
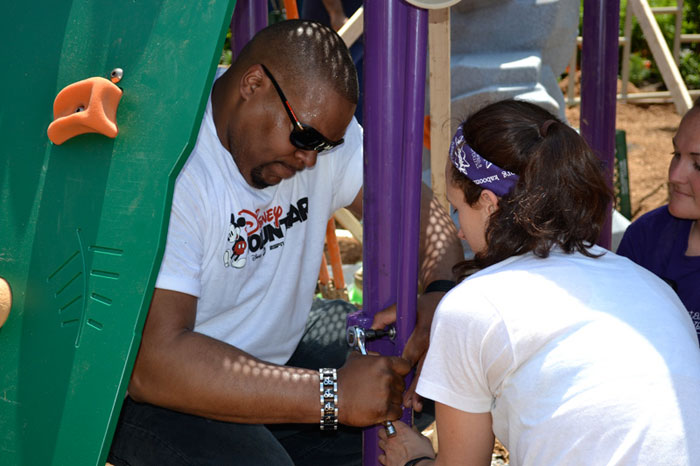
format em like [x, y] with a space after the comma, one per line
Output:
[303, 136]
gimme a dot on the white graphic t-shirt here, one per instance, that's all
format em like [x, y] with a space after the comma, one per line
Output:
[252, 256]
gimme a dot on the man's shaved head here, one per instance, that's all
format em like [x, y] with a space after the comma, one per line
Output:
[304, 52]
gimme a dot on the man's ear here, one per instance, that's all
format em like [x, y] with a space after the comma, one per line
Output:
[488, 201]
[251, 81]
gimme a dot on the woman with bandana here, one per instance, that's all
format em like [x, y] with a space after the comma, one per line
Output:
[566, 352]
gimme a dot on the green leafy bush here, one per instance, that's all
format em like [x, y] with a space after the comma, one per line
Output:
[640, 69]
[690, 68]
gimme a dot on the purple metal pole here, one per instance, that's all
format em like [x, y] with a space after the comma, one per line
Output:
[414, 107]
[249, 16]
[599, 64]
[385, 42]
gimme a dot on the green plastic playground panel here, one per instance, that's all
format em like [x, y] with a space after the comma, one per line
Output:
[82, 224]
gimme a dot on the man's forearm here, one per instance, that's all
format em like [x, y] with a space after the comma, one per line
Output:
[199, 375]
[187, 371]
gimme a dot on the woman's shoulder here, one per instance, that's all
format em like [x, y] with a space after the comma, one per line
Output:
[658, 216]
[655, 225]
[487, 286]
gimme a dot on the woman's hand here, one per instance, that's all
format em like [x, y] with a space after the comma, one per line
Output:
[417, 344]
[406, 445]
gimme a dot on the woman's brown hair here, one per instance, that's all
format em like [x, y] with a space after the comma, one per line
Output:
[562, 196]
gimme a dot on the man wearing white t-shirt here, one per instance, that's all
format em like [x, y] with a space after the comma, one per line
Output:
[277, 153]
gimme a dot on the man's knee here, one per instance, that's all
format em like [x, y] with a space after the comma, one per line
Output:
[323, 343]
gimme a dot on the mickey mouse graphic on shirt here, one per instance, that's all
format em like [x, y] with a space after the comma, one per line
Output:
[234, 257]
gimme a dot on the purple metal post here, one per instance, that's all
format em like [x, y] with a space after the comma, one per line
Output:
[414, 107]
[385, 38]
[249, 16]
[385, 42]
[599, 64]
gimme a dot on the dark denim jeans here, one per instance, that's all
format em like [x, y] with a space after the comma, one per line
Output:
[150, 435]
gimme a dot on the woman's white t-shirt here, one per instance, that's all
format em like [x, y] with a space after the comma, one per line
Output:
[581, 361]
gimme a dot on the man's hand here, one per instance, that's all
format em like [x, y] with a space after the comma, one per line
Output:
[370, 389]
[417, 344]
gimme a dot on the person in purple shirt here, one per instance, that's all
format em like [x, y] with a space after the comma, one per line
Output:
[666, 240]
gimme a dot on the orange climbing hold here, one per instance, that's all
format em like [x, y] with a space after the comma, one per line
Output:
[88, 106]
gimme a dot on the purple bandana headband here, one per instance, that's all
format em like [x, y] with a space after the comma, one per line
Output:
[478, 169]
